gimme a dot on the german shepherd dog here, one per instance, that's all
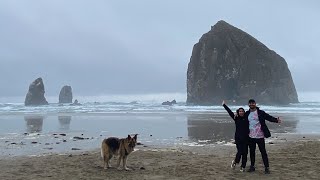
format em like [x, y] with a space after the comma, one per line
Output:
[119, 147]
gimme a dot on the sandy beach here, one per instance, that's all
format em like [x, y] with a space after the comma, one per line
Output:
[290, 158]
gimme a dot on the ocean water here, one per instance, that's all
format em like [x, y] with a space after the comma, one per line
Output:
[58, 129]
[144, 107]
[148, 103]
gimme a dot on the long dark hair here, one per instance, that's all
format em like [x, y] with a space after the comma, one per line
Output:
[239, 110]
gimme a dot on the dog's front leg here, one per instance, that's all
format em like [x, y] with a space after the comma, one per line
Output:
[125, 163]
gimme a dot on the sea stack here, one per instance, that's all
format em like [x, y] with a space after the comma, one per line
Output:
[65, 95]
[35, 95]
[229, 64]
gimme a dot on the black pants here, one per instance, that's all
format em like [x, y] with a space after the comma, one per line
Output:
[262, 148]
[242, 152]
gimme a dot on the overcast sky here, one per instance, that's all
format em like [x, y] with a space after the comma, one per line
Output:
[143, 46]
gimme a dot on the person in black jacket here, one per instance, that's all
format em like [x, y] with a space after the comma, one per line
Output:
[258, 131]
[241, 136]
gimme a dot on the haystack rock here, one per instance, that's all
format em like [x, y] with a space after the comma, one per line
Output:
[229, 64]
[65, 95]
[35, 95]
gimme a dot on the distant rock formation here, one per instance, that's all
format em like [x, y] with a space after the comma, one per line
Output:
[134, 102]
[65, 95]
[35, 95]
[170, 103]
[227, 63]
[76, 103]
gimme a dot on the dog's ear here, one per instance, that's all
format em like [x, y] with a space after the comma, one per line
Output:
[135, 136]
[129, 137]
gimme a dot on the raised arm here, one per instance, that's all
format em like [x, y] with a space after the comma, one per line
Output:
[228, 110]
[271, 118]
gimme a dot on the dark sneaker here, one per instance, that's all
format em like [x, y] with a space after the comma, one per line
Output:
[242, 169]
[252, 169]
[267, 171]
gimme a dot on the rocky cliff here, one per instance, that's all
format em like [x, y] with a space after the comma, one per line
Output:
[65, 95]
[35, 95]
[227, 63]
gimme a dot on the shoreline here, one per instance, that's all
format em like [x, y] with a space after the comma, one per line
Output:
[48, 148]
[291, 157]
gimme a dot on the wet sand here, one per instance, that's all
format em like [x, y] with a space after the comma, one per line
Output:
[36, 134]
[291, 157]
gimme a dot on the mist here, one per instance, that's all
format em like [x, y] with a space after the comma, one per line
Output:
[130, 47]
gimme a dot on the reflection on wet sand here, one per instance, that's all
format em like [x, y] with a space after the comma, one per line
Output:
[208, 127]
[64, 122]
[220, 127]
[34, 123]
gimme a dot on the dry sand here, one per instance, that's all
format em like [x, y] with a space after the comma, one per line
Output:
[290, 159]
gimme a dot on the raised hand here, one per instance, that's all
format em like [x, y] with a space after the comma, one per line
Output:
[223, 103]
[279, 120]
